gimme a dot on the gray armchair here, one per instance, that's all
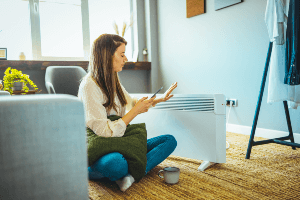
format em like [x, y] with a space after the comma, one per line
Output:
[63, 79]
[43, 152]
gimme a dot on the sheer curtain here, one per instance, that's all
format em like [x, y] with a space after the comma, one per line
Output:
[276, 20]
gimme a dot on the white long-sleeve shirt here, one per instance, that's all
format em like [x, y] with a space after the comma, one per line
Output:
[96, 114]
[276, 17]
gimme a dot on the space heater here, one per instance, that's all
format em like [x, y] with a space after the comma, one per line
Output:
[197, 121]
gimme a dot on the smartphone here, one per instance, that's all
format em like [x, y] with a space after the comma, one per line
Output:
[157, 92]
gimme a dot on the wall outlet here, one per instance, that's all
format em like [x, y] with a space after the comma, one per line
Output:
[231, 100]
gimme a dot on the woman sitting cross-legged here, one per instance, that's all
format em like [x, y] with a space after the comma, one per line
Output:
[104, 96]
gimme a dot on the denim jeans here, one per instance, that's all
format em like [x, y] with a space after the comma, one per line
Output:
[114, 166]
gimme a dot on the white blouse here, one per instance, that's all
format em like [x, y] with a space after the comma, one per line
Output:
[275, 15]
[96, 114]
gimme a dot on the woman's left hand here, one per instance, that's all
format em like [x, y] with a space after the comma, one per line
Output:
[167, 95]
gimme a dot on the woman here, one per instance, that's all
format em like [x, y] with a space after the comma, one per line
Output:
[103, 95]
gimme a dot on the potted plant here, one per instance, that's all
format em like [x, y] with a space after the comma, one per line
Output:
[15, 77]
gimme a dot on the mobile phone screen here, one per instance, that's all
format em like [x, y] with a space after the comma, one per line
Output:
[156, 92]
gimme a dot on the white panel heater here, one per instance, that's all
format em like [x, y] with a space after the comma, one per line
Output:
[197, 121]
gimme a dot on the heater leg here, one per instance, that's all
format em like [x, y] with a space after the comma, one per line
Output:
[205, 165]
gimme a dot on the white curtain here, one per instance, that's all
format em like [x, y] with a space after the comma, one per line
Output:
[276, 20]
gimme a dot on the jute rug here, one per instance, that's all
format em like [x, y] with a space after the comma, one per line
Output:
[272, 172]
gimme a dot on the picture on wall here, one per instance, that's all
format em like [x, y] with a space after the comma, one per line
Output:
[3, 53]
[194, 7]
[219, 4]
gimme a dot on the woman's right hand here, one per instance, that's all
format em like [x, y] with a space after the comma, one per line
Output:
[143, 105]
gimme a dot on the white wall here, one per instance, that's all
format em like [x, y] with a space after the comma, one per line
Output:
[220, 52]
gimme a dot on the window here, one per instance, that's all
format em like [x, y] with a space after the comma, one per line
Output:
[15, 33]
[59, 29]
[65, 29]
[104, 13]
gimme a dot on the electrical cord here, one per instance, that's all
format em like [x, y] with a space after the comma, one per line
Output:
[231, 103]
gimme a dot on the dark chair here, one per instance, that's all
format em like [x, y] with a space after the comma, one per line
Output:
[63, 79]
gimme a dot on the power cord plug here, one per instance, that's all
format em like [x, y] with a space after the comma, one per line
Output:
[231, 105]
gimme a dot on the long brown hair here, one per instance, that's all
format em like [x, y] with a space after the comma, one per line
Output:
[101, 68]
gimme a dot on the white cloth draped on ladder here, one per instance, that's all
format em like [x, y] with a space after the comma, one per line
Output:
[276, 17]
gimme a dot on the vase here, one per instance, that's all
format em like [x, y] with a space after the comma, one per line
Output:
[18, 86]
[22, 56]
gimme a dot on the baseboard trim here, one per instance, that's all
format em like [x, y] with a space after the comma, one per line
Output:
[260, 132]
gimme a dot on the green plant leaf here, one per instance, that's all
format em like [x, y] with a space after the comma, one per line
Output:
[13, 75]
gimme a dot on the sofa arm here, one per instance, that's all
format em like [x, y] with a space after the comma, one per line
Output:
[43, 152]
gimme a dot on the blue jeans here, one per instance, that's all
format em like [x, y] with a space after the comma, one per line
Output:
[114, 166]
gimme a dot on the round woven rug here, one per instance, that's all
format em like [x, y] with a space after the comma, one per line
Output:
[272, 172]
